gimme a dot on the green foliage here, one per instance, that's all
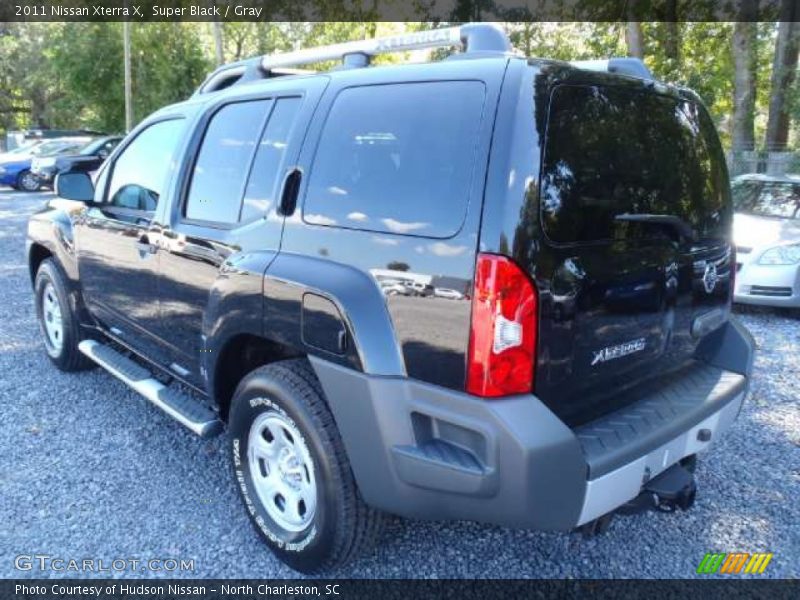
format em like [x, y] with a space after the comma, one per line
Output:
[71, 75]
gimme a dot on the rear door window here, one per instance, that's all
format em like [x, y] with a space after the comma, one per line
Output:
[223, 163]
[612, 151]
[397, 158]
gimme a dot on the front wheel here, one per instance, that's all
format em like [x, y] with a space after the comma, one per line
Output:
[292, 472]
[28, 182]
[58, 323]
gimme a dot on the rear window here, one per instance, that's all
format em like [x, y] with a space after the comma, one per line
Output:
[612, 151]
[397, 158]
[767, 198]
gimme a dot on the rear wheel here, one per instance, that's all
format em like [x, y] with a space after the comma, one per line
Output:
[293, 475]
[58, 323]
[28, 182]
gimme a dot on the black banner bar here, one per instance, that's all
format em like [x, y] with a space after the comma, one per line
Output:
[390, 10]
[347, 589]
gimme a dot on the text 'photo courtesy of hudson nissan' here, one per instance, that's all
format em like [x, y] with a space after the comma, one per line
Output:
[394, 300]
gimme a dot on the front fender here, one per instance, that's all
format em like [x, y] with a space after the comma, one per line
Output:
[52, 229]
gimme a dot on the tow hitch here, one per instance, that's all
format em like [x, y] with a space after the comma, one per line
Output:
[671, 490]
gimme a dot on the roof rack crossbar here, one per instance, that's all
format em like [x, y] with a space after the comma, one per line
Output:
[474, 37]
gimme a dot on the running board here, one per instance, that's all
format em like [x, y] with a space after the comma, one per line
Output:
[200, 419]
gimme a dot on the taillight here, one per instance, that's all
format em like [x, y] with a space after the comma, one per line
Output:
[502, 344]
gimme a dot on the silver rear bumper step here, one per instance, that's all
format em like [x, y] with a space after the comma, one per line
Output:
[188, 411]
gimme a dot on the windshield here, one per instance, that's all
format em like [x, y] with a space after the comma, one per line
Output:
[93, 146]
[24, 149]
[776, 199]
[55, 147]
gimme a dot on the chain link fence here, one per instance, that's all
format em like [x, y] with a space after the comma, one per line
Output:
[762, 161]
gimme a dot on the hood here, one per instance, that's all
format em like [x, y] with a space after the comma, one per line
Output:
[752, 231]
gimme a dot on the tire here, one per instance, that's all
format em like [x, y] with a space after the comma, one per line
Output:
[27, 182]
[53, 305]
[335, 524]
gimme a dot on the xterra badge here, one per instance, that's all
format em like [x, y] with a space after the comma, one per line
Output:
[618, 351]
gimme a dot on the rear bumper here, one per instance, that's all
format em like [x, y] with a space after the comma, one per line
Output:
[423, 451]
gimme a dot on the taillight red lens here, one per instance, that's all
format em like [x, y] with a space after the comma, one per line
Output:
[502, 345]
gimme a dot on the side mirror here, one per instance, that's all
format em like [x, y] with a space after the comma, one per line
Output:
[74, 186]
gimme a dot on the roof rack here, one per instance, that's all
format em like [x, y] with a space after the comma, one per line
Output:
[632, 67]
[473, 38]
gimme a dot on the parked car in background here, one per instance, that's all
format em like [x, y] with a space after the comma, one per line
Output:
[767, 237]
[447, 293]
[18, 139]
[18, 151]
[86, 160]
[16, 171]
[393, 287]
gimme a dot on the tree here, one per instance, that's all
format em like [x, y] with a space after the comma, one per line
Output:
[744, 86]
[784, 67]
[634, 39]
[398, 266]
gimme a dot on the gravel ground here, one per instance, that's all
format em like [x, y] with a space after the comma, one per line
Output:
[91, 470]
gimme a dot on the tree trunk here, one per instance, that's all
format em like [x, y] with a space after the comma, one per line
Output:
[783, 75]
[126, 58]
[38, 101]
[673, 42]
[742, 134]
[218, 49]
[634, 39]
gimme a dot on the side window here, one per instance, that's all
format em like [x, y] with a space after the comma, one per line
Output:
[397, 158]
[259, 196]
[140, 172]
[221, 167]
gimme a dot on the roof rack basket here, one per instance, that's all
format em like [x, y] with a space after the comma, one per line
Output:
[473, 38]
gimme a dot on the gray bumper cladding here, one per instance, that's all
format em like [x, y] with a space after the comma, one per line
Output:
[422, 451]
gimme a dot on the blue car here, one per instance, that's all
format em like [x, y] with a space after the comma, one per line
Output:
[15, 166]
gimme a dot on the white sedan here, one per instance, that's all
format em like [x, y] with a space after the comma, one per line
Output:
[766, 232]
[447, 293]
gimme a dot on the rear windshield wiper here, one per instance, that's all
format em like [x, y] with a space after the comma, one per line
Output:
[676, 223]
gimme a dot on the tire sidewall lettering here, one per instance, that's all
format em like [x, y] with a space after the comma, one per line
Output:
[257, 405]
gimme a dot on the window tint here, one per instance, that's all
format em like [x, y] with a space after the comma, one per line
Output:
[140, 173]
[611, 151]
[222, 164]
[397, 158]
[259, 195]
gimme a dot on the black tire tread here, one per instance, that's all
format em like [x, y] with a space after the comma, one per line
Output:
[72, 359]
[361, 525]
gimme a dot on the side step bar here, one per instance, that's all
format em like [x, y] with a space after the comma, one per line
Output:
[200, 419]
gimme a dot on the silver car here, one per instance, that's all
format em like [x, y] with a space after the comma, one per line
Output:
[766, 232]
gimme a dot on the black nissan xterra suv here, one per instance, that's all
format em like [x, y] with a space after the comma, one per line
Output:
[238, 258]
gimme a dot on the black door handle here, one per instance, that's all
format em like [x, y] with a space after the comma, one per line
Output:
[291, 188]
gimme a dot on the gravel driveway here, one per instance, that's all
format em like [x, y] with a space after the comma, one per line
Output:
[91, 470]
